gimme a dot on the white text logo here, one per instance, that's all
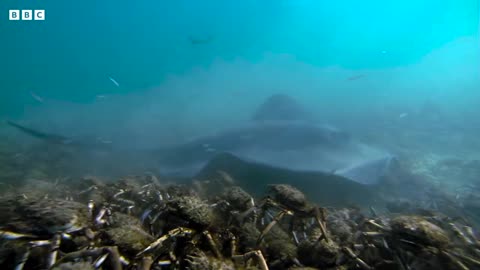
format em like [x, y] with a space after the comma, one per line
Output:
[26, 15]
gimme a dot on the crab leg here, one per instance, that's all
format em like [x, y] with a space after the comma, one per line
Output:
[100, 260]
[375, 224]
[114, 256]
[99, 218]
[359, 261]
[91, 207]
[23, 260]
[455, 261]
[159, 241]
[471, 234]
[39, 243]
[467, 258]
[164, 262]
[124, 261]
[253, 254]
[255, 214]
[323, 228]
[275, 220]
[212, 244]
[54, 246]
[460, 234]
[11, 235]
[88, 189]
[146, 263]
[79, 254]
[295, 237]
[373, 234]
[119, 193]
[233, 245]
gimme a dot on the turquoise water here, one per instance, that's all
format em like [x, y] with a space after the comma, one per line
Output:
[142, 45]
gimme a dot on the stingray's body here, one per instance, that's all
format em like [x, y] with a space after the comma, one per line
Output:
[281, 135]
[296, 146]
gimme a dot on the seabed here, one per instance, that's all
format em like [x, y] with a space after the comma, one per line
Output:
[51, 220]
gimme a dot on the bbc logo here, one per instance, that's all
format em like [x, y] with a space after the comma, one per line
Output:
[26, 15]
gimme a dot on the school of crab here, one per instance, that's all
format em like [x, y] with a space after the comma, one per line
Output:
[140, 223]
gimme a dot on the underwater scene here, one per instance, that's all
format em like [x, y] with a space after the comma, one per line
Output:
[221, 134]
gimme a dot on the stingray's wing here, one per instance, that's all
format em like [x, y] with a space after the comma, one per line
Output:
[369, 172]
[323, 188]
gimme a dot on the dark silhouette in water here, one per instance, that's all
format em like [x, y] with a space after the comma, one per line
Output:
[281, 135]
[51, 138]
[280, 107]
[356, 77]
[198, 41]
[323, 188]
[62, 140]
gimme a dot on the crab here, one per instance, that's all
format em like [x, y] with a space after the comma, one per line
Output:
[192, 218]
[289, 201]
[41, 216]
[417, 242]
[38, 224]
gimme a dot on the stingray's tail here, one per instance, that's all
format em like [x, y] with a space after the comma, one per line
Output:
[53, 138]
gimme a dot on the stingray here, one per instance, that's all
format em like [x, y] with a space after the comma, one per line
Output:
[280, 134]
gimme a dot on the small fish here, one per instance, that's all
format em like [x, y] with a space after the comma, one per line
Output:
[197, 41]
[356, 77]
[36, 97]
[101, 96]
[114, 81]
[402, 115]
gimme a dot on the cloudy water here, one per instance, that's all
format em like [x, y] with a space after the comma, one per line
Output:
[157, 73]
[360, 105]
